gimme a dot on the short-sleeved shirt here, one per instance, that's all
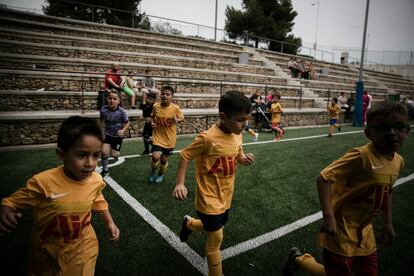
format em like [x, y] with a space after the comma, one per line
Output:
[148, 82]
[164, 134]
[334, 111]
[276, 117]
[114, 120]
[361, 183]
[146, 110]
[216, 155]
[62, 214]
[114, 76]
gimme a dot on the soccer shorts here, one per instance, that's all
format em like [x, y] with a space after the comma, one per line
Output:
[115, 142]
[166, 152]
[332, 122]
[213, 223]
[341, 265]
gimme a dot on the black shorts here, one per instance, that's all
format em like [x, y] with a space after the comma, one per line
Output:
[166, 152]
[213, 223]
[147, 132]
[115, 142]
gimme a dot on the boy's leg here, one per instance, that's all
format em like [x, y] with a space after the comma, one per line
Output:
[213, 253]
[338, 265]
[366, 265]
[308, 263]
[155, 161]
[189, 225]
[106, 149]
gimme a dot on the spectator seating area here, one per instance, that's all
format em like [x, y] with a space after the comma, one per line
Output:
[52, 68]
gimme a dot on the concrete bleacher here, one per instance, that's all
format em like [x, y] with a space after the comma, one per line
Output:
[52, 68]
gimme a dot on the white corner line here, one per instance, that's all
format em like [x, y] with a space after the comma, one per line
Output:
[188, 253]
[284, 230]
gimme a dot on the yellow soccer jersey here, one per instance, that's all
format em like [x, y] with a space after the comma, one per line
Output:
[276, 117]
[165, 133]
[216, 161]
[334, 111]
[63, 239]
[361, 183]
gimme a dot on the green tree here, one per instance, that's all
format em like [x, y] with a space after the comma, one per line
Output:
[165, 28]
[262, 20]
[121, 12]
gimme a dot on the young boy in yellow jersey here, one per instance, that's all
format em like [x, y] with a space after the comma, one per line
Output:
[217, 151]
[164, 118]
[276, 110]
[63, 240]
[353, 190]
[334, 111]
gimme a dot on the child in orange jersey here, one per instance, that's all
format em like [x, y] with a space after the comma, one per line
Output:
[276, 110]
[63, 240]
[217, 151]
[164, 118]
[334, 111]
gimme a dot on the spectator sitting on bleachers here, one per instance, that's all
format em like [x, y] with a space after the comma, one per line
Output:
[311, 72]
[114, 80]
[342, 102]
[147, 84]
[294, 68]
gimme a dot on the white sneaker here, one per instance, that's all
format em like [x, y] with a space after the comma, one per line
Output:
[256, 136]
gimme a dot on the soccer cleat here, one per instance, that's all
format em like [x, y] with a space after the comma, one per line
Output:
[256, 136]
[159, 178]
[104, 173]
[277, 139]
[290, 265]
[329, 135]
[339, 128]
[185, 232]
[152, 177]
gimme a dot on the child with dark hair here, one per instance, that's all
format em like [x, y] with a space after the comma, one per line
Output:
[334, 111]
[148, 100]
[115, 122]
[354, 190]
[217, 151]
[164, 118]
[62, 198]
[276, 110]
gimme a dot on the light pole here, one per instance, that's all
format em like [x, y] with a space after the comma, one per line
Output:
[317, 23]
[215, 24]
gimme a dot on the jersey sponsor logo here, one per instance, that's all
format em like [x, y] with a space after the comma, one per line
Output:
[69, 227]
[164, 122]
[225, 165]
[54, 196]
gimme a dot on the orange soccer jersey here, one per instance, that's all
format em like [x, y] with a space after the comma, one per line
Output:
[216, 161]
[334, 111]
[361, 182]
[63, 240]
[165, 132]
[276, 110]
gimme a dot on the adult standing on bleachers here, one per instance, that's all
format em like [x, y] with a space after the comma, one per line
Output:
[365, 103]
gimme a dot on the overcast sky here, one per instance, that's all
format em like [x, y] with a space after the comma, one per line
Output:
[390, 25]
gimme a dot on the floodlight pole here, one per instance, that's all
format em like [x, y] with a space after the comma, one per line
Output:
[317, 26]
[215, 24]
[359, 90]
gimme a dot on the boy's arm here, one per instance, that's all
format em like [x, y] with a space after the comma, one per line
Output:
[388, 232]
[245, 159]
[180, 190]
[324, 193]
[122, 130]
[110, 224]
[8, 219]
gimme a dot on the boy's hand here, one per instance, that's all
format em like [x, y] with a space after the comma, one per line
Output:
[388, 234]
[180, 192]
[148, 120]
[329, 225]
[120, 133]
[248, 159]
[114, 231]
[8, 219]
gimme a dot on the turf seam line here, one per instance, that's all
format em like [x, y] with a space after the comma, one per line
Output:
[186, 251]
[284, 230]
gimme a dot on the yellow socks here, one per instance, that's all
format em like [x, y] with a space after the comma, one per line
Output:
[213, 253]
[154, 164]
[163, 168]
[309, 264]
[195, 225]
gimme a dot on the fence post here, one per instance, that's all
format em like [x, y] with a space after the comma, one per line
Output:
[329, 96]
[133, 25]
[221, 88]
[82, 94]
[93, 13]
[281, 47]
[300, 98]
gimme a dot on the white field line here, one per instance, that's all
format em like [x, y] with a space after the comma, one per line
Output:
[284, 230]
[192, 257]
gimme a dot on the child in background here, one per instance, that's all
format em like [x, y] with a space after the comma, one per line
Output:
[114, 120]
[148, 100]
[165, 116]
[334, 111]
[354, 190]
[217, 151]
[276, 110]
[62, 198]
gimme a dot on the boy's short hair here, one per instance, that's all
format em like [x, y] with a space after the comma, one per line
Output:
[384, 109]
[335, 100]
[151, 94]
[234, 101]
[114, 91]
[276, 95]
[169, 88]
[74, 128]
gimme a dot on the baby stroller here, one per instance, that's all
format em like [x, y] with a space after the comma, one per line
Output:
[262, 120]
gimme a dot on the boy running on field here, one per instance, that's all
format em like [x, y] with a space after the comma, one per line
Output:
[148, 100]
[217, 151]
[354, 190]
[276, 110]
[62, 200]
[334, 111]
[115, 122]
[165, 116]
